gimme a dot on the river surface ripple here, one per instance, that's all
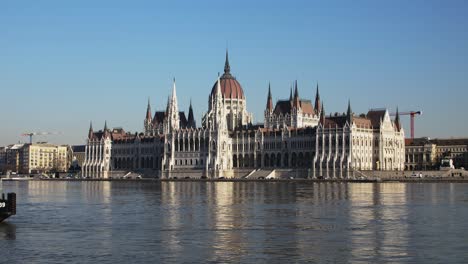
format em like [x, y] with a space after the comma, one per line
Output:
[236, 222]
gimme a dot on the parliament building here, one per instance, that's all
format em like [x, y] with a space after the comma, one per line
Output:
[296, 140]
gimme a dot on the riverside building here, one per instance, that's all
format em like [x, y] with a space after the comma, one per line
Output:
[296, 139]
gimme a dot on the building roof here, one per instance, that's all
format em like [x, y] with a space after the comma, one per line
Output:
[230, 87]
[285, 106]
[159, 117]
[375, 116]
[78, 148]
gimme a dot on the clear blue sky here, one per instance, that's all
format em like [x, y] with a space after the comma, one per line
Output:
[64, 63]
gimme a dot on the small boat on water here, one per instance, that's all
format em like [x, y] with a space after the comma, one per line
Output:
[7, 205]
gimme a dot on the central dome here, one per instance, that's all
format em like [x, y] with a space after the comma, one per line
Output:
[230, 87]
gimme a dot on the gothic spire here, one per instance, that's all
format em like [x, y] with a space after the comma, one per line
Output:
[296, 93]
[296, 96]
[317, 100]
[148, 111]
[173, 110]
[106, 131]
[191, 120]
[349, 113]
[219, 118]
[90, 133]
[397, 120]
[322, 116]
[269, 105]
[227, 67]
[174, 95]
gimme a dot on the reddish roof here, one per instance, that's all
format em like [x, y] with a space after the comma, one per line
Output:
[362, 122]
[307, 107]
[230, 88]
[285, 107]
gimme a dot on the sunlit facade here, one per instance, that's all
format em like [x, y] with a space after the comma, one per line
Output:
[296, 135]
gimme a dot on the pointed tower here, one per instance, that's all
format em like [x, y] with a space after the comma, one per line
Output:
[173, 111]
[349, 113]
[296, 99]
[317, 107]
[106, 131]
[191, 120]
[90, 132]
[322, 115]
[227, 67]
[148, 119]
[220, 116]
[269, 105]
[397, 121]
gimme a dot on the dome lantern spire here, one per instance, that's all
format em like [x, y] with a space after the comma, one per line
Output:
[227, 67]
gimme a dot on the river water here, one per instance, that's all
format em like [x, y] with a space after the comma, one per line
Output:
[240, 222]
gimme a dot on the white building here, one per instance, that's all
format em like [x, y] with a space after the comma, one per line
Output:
[296, 135]
[97, 163]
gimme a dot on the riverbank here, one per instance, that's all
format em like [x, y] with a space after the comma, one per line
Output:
[392, 179]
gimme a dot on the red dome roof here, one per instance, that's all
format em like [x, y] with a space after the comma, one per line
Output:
[230, 87]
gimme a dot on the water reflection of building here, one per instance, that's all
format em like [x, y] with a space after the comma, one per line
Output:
[47, 192]
[378, 221]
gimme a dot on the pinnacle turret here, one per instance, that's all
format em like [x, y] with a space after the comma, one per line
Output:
[322, 115]
[227, 67]
[90, 132]
[349, 113]
[191, 120]
[397, 120]
[148, 111]
[269, 105]
[172, 111]
[317, 100]
[296, 103]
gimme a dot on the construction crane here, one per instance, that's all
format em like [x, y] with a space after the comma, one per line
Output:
[412, 114]
[31, 134]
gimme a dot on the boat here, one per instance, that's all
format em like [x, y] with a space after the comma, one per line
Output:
[7, 206]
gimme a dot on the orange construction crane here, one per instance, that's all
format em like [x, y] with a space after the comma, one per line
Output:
[412, 114]
[31, 134]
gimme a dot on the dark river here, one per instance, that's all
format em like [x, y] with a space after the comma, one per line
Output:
[244, 222]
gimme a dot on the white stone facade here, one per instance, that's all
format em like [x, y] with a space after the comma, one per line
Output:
[97, 163]
[295, 135]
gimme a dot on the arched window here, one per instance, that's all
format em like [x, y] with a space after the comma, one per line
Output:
[294, 159]
[301, 160]
[267, 160]
[286, 160]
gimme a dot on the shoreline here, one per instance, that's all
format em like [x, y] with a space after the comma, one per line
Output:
[401, 180]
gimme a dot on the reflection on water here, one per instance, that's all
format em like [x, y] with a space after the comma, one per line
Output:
[138, 222]
[7, 231]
